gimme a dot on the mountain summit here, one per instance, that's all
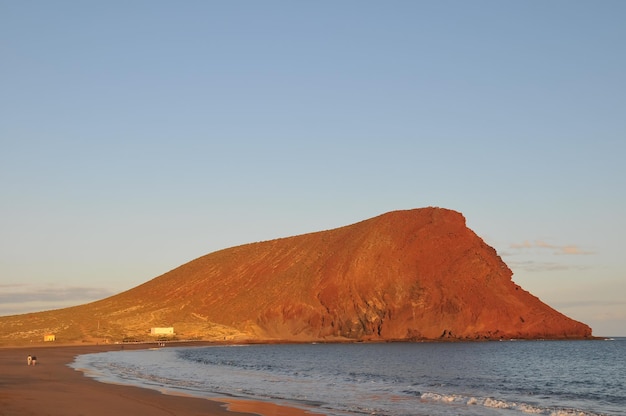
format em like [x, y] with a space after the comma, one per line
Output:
[406, 275]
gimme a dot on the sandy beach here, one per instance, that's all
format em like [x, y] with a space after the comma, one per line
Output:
[53, 388]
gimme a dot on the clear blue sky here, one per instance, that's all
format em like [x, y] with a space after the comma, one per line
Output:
[138, 135]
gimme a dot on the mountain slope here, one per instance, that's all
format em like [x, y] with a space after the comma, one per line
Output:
[404, 275]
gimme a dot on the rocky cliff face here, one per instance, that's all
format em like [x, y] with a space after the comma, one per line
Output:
[405, 275]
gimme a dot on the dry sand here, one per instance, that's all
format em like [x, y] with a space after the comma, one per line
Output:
[53, 388]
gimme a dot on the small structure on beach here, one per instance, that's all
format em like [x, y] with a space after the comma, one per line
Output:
[162, 331]
[49, 338]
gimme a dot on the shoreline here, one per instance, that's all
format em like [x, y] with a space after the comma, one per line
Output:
[53, 388]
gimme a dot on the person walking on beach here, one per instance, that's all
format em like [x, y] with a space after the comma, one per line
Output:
[29, 360]
[34, 360]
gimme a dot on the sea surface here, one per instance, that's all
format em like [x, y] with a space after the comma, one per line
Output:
[582, 378]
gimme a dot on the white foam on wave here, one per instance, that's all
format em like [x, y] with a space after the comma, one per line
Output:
[444, 398]
[498, 404]
[527, 408]
[493, 403]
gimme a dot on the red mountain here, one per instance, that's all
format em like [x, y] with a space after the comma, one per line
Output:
[405, 275]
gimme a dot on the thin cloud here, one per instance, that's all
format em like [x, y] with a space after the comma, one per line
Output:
[590, 303]
[574, 250]
[50, 294]
[525, 244]
[20, 298]
[568, 249]
[542, 266]
[11, 285]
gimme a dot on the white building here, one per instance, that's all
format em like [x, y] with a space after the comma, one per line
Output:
[162, 331]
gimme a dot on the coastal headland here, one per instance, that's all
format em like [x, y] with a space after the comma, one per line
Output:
[411, 275]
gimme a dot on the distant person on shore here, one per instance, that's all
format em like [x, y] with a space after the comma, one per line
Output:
[34, 359]
[29, 360]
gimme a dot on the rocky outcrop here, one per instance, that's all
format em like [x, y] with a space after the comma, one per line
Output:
[405, 275]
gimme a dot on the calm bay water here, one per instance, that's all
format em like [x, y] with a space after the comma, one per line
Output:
[582, 378]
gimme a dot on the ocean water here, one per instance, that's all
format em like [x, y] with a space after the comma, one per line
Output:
[582, 378]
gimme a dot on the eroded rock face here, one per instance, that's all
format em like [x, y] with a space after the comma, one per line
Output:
[405, 275]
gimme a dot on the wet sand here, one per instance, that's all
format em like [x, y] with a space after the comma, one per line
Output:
[53, 388]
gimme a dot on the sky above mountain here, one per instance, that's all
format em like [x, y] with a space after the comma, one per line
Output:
[137, 136]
